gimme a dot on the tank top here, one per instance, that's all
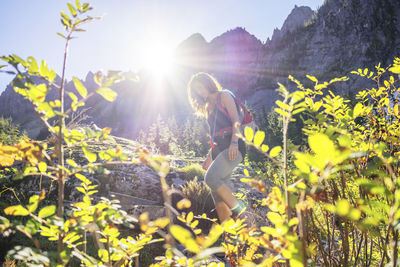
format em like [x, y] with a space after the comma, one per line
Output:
[222, 121]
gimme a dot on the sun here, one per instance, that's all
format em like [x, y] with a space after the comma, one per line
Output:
[158, 58]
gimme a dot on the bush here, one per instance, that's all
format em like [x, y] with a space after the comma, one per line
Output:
[190, 171]
[201, 201]
[9, 133]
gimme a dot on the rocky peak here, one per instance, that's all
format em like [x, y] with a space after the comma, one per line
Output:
[296, 19]
[195, 39]
[236, 35]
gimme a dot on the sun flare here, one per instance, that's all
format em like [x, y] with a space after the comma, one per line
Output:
[158, 59]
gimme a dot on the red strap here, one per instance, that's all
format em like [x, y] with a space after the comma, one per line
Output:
[220, 132]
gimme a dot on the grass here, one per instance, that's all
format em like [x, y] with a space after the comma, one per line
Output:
[190, 171]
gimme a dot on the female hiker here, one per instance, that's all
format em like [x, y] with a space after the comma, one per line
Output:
[228, 150]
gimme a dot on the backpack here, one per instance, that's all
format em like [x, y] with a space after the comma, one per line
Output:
[245, 117]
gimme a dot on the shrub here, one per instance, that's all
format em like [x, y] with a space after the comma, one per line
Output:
[190, 171]
[9, 133]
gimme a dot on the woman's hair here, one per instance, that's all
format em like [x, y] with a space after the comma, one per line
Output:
[196, 101]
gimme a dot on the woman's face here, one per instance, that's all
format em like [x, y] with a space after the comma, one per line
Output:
[201, 90]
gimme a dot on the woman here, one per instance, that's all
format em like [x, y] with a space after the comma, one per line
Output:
[228, 151]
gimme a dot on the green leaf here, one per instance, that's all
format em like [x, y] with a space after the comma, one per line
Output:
[61, 35]
[80, 87]
[72, 10]
[107, 93]
[91, 156]
[47, 211]
[275, 151]
[73, 97]
[282, 105]
[44, 70]
[78, 5]
[248, 133]
[83, 178]
[33, 203]
[281, 112]
[64, 16]
[259, 138]
[33, 66]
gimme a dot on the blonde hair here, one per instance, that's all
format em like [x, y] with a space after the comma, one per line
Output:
[196, 101]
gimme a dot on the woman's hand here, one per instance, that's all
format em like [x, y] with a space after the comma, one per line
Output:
[207, 162]
[233, 151]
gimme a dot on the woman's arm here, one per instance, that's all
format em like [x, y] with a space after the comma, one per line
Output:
[208, 160]
[228, 102]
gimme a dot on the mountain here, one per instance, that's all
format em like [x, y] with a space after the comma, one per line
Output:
[341, 36]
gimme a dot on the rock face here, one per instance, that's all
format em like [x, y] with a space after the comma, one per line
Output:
[342, 35]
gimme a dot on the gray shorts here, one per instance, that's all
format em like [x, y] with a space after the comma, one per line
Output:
[219, 172]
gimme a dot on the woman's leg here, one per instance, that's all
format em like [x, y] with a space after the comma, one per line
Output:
[219, 171]
[223, 211]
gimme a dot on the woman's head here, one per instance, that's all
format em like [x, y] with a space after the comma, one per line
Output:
[199, 87]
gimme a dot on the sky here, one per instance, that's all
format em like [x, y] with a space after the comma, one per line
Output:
[129, 29]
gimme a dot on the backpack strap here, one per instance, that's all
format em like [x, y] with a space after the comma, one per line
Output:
[219, 107]
[247, 116]
[223, 109]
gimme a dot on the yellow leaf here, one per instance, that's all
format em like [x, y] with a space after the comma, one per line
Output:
[42, 166]
[396, 109]
[161, 222]
[185, 238]
[248, 133]
[259, 138]
[395, 69]
[184, 204]
[189, 217]
[275, 151]
[17, 210]
[312, 78]
[107, 93]
[264, 148]
[80, 87]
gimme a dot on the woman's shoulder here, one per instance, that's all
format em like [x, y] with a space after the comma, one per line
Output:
[225, 94]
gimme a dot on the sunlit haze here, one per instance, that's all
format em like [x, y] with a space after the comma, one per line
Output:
[132, 34]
